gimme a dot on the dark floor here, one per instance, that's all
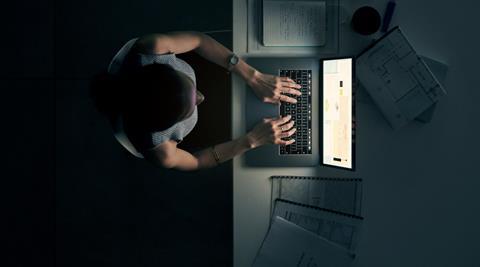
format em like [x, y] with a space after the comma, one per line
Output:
[73, 196]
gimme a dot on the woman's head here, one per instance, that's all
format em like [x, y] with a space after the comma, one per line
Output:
[154, 96]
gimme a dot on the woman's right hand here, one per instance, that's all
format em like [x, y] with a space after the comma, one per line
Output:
[271, 131]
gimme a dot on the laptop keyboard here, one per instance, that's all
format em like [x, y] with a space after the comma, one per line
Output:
[301, 113]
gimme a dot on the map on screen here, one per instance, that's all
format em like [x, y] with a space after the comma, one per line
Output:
[337, 112]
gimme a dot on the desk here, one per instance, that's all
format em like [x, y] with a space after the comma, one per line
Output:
[417, 193]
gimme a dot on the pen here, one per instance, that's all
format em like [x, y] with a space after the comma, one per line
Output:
[387, 17]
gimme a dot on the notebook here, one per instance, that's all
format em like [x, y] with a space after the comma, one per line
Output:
[337, 227]
[338, 194]
[294, 23]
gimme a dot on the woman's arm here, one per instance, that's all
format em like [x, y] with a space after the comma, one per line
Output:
[182, 42]
[269, 88]
[182, 160]
[167, 155]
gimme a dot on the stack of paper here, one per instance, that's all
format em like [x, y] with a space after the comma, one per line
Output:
[294, 23]
[314, 222]
[300, 27]
[399, 81]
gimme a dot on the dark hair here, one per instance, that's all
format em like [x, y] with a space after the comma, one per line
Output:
[155, 96]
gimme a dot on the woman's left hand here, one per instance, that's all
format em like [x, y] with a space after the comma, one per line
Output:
[273, 89]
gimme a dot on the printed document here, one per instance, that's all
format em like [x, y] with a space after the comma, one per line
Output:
[294, 23]
[289, 245]
[342, 229]
[344, 195]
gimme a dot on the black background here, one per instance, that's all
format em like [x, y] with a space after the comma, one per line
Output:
[71, 195]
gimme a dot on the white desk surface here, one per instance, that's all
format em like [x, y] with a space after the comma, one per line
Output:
[420, 182]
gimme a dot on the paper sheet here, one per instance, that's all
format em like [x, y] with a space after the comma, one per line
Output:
[294, 23]
[397, 79]
[339, 228]
[289, 245]
[340, 194]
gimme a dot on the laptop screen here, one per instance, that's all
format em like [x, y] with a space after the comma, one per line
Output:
[338, 112]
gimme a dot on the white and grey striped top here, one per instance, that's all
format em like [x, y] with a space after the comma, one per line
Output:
[150, 140]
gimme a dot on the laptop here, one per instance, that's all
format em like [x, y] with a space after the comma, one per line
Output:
[325, 133]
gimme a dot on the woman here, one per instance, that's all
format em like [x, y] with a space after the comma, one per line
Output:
[150, 97]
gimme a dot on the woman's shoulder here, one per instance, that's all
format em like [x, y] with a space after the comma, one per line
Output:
[122, 54]
[148, 44]
[135, 53]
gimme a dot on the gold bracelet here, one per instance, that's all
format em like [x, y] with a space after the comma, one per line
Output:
[215, 155]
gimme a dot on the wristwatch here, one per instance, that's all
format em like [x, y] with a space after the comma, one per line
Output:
[232, 62]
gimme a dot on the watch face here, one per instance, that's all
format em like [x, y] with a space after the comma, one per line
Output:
[234, 59]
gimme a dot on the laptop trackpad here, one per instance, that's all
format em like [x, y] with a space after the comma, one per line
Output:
[257, 109]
